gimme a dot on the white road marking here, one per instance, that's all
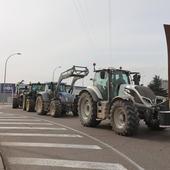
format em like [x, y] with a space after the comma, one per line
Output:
[23, 123]
[16, 117]
[8, 114]
[99, 141]
[41, 134]
[20, 120]
[66, 163]
[50, 145]
[31, 128]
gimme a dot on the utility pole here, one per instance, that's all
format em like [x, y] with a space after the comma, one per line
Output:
[167, 32]
[6, 61]
[54, 72]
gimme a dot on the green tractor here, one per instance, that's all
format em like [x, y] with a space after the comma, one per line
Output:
[17, 98]
[61, 100]
[116, 95]
[30, 95]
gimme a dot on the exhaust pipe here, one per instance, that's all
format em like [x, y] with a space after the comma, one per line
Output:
[167, 33]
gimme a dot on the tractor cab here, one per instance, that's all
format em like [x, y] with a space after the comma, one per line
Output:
[108, 81]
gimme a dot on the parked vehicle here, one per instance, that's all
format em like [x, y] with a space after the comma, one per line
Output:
[116, 96]
[30, 95]
[17, 98]
[62, 99]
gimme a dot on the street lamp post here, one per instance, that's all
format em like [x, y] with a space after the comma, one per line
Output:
[54, 72]
[6, 69]
[6, 64]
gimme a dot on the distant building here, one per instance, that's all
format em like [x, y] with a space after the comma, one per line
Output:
[6, 92]
[7, 88]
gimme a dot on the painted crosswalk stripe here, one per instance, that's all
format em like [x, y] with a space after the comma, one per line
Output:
[49, 145]
[14, 117]
[20, 120]
[8, 114]
[41, 135]
[5, 113]
[65, 163]
[30, 128]
[23, 123]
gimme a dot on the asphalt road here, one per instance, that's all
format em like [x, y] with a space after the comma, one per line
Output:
[32, 142]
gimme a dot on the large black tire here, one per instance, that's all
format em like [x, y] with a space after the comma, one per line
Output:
[39, 106]
[24, 103]
[55, 108]
[20, 101]
[124, 118]
[87, 110]
[154, 125]
[30, 105]
[75, 107]
[15, 103]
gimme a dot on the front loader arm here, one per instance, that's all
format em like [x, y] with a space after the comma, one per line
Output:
[77, 72]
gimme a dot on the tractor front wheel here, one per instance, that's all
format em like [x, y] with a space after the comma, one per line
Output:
[39, 106]
[154, 125]
[75, 107]
[15, 103]
[87, 110]
[24, 103]
[124, 118]
[30, 105]
[55, 108]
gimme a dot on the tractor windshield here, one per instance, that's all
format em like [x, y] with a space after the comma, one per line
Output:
[38, 87]
[62, 88]
[119, 77]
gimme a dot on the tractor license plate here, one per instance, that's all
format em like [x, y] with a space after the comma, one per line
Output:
[164, 117]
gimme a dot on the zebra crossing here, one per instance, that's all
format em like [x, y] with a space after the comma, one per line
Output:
[13, 139]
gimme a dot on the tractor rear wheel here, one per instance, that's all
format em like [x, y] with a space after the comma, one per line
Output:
[30, 105]
[87, 110]
[15, 103]
[75, 107]
[124, 118]
[39, 106]
[55, 108]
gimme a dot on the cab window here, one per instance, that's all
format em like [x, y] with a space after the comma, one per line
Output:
[100, 81]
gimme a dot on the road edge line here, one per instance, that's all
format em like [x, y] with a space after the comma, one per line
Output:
[101, 142]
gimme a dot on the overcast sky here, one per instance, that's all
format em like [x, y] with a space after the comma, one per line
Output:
[51, 33]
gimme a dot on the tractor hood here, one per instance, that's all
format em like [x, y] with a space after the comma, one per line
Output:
[141, 95]
[66, 97]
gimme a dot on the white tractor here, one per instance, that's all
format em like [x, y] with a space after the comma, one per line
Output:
[117, 95]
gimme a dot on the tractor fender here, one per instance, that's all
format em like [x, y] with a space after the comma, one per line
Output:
[127, 98]
[94, 95]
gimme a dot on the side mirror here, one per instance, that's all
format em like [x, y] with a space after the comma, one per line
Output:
[102, 74]
[94, 66]
[136, 79]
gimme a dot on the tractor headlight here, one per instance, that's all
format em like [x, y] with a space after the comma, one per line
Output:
[127, 91]
[147, 100]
